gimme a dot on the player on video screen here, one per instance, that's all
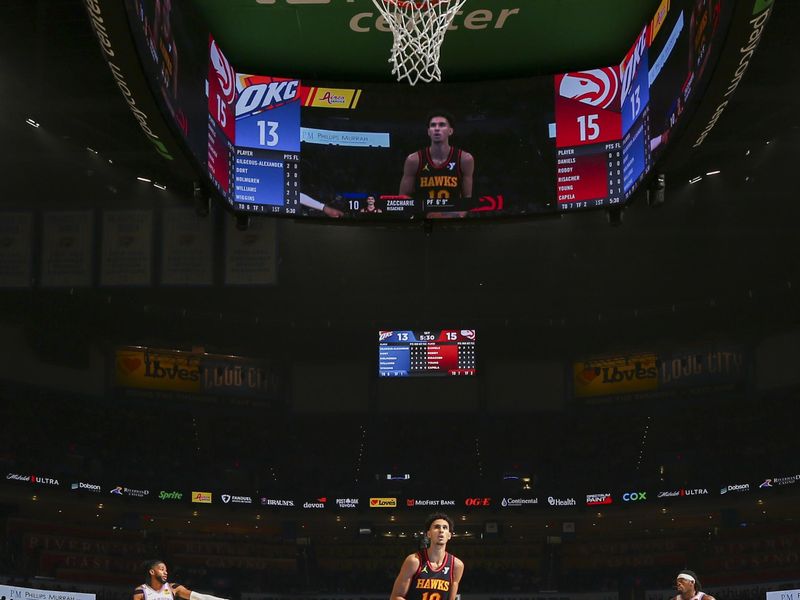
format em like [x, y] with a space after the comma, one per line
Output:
[433, 571]
[163, 41]
[371, 207]
[440, 174]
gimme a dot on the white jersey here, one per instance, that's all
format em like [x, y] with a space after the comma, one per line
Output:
[165, 593]
[697, 596]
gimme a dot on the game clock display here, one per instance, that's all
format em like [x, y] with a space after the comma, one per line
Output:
[444, 352]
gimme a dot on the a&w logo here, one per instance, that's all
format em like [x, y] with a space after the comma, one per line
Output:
[265, 93]
[597, 87]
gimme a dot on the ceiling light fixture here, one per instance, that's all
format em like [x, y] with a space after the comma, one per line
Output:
[159, 186]
[145, 179]
[713, 172]
[31, 122]
[695, 180]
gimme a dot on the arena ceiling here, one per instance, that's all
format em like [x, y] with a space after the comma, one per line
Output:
[719, 259]
[347, 40]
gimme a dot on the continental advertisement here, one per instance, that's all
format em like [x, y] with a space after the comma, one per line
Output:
[697, 369]
[158, 371]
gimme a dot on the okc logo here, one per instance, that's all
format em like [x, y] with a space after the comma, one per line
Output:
[597, 87]
[225, 74]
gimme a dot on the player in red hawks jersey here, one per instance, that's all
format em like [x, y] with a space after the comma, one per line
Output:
[432, 573]
[441, 174]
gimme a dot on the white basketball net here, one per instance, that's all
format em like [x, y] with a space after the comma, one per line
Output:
[418, 27]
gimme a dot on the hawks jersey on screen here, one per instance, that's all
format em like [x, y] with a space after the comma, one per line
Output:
[429, 583]
[439, 184]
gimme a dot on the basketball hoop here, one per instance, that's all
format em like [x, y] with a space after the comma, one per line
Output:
[418, 27]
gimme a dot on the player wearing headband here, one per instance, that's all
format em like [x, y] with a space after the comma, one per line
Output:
[432, 573]
[157, 587]
[688, 586]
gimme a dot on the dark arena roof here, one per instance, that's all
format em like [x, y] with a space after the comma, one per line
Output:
[271, 400]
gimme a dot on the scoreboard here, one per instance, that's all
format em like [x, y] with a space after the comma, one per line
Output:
[426, 353]
[279, 145]
[602, 138]
[253, 137]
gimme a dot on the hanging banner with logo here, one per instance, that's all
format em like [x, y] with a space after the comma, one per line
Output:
[127, 249]
[643, 375]
[159, 371]
[615, 376]
[67, 249]
[16, 249]
[187, 243]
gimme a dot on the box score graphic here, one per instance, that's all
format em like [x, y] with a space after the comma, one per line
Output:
[259, 117]
[426, 353]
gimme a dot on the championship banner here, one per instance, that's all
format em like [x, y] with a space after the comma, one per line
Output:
[187, 242]
[67, 246]
[13, 592]
[615, 376]
[127, 249]
[16, 249]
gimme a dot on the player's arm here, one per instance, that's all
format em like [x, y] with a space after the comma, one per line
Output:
[328, 211]
[458, 571]
[403, 581]
[409, 180]
[467, 172]
[138, 594]
[187, 594]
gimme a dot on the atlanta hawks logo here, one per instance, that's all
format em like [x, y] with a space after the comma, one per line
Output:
[598, 87]
[225, 74]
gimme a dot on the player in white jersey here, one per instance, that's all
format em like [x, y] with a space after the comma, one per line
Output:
[688, 586]
[157, 587]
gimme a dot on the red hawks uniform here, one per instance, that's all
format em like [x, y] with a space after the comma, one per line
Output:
[439, 184]
[429, 583]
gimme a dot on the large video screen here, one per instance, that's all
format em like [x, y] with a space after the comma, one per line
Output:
[274, 144]
[430, 353]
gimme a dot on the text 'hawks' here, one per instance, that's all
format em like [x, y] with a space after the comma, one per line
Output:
[433, 584]
[438, 181]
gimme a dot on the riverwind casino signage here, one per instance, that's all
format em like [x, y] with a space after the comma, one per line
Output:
[156, 373]
[651, 374]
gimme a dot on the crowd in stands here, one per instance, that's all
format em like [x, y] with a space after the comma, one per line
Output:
[590, 448]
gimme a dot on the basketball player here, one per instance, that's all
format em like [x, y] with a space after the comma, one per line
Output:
[688, 587]
[371, 207]
[440, 174]
[157, 587]
[164, 45]
[432, 573]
